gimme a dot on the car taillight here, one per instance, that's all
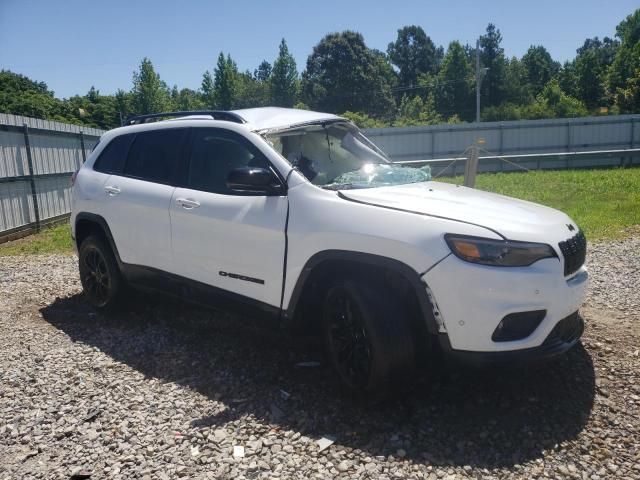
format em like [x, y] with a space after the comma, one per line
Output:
[73, 177]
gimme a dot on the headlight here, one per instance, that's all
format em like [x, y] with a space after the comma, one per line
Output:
[501, 253]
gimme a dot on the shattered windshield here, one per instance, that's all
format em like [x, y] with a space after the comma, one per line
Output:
[338, 156]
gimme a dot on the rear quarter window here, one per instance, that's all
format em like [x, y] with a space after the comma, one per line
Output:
[114, 155]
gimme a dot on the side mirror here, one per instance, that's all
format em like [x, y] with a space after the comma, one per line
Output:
[254, 180]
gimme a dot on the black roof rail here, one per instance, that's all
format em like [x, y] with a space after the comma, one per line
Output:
[215, 114]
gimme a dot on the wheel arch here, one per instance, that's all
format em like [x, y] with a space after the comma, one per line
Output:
[320, 268]
[87, 224]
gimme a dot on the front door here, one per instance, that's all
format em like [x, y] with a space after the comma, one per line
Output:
[229, 240]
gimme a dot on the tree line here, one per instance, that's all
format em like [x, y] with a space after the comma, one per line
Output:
[415, 82]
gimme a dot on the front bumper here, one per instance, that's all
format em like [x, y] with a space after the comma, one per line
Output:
[472, 299]
[562, 338]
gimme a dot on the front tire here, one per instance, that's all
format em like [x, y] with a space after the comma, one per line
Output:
[367, 336]
[100, 276]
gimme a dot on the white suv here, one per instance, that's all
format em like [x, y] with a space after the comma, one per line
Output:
[297, 215]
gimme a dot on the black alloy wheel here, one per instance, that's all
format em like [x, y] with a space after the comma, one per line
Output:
[96, 278]
[348, 340]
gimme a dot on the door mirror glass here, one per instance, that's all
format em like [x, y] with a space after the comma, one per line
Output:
[253, 179]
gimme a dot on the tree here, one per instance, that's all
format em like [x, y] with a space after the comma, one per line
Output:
[414, 54]
[363, 120]
[263, 72]
[567, 78]
[453, 88]
[416, 111]
[149, 93]
[20, 95]
[590, 68]
[225, 83]
[628, 98]
[493, 88]
[589, 82]
[343, 74]
[93, 109]
[553, 102]
[187, 100]
[516, 89]
[284, 78]
[123, 105]
[207, 88]
[622, 75]
[539, 68]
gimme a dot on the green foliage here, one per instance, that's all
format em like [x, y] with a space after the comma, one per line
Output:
[208, 96]
[559, 103]
[416, 111]
[552, 102]
[149, 93]
[590, 69]
[186, 100]
[539, 68]
[363, 120]
[628, 98]
[226, 83]
[414, 54]
[454, 84]
[263, 72]
[23, 96]
[623, 72]
[284, 78]
[343, 74]
[494, 86]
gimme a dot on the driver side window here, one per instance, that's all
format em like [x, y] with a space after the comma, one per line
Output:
[214, 154]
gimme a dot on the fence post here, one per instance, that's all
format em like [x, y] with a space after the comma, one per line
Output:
[32, 180]
[471, 167]
[84, 152]
[433, 144]
[566, 164]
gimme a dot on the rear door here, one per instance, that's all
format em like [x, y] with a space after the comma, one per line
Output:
[232, 241]
[138, 199]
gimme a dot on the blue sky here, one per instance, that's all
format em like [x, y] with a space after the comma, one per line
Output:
[72, 45]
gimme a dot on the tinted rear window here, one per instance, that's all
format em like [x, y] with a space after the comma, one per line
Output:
[112, 158]
[154, 155]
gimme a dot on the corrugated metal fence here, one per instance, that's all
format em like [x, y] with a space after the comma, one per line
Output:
[37, 158]
[533, 144]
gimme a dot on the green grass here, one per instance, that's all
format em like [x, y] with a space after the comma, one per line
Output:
[605, 203]
[56, 239]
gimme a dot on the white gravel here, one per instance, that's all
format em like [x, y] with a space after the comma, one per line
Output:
[167, 390]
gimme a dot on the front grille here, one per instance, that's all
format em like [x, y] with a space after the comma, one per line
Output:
[574, 252]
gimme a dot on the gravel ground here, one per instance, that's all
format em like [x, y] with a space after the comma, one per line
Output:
[168, 390]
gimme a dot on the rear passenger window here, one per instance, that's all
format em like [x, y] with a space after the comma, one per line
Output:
[154, 155]
[214, 153]
[112, 158]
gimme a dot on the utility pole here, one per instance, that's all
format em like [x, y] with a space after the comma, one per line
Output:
[478, 81]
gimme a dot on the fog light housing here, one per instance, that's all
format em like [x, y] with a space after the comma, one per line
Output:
[517, 326]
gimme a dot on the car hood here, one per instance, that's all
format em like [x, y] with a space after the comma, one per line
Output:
[512, 218]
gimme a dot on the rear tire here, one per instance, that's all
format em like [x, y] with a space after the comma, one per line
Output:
[367, 337]
[100, 276]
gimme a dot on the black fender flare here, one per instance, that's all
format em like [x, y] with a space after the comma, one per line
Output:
[417, 284]
[103, 225]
